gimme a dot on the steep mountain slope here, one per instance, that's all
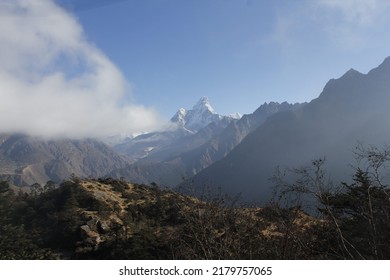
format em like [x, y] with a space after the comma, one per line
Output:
[351, 109]
[26, 160]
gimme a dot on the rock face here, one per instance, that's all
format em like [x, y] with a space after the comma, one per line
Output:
[27, 160]
[352, 109]
[92, 234]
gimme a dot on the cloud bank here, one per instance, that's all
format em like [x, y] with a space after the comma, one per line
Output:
[54, 83]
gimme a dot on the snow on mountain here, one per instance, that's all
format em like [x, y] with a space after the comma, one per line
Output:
[184, 124]
[180, 117]
[201, 115]
[236, 116]
[168, 162]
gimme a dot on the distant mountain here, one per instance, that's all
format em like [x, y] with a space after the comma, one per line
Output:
[186, 156]
[25, 160]
[201, 115]
[184, 123]
[160, 164]
[351, 109]
[219, 146]
[223, 141]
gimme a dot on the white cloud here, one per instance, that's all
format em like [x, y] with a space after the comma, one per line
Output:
[53, 82]
[352, 24]
[340, 25]
[357, 12]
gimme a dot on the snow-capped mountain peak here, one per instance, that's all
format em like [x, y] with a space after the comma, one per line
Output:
[180, 117]
[201, 114]
[203, 105]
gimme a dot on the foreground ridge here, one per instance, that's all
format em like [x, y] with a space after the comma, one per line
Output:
[114, 219]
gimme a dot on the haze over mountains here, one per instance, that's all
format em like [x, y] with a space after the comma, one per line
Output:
[25, 160]
[237, 155]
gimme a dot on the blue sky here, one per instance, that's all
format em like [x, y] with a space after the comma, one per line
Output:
[94, 68]
[239, 53]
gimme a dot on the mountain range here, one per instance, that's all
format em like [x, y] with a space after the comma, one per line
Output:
[200, 138]
[195, 139]
[202, 149]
